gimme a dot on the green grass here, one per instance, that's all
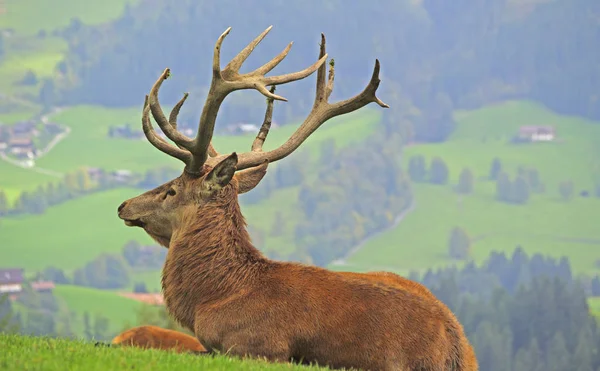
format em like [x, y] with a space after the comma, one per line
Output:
[31, 353]
[119, 310]
[27, 17]
[545, 224]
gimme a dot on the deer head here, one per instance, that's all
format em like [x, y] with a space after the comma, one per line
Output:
[207, 174]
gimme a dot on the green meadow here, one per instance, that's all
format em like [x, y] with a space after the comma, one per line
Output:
[546, 224]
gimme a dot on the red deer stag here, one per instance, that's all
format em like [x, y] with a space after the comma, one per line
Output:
[157, 338]
[217, 284]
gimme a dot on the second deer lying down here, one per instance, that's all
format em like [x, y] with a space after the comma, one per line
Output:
[216, 283]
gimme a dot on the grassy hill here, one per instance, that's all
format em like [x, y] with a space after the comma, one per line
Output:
[546, 224]
[119, 310]
[29, 353]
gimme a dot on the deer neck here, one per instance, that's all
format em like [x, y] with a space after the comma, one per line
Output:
[210, 258]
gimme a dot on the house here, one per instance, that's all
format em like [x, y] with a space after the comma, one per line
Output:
[535, 133]
[42, 286]
[123, 176]
[11, 280]
[24, 129]
[95, 173]
[22, 147]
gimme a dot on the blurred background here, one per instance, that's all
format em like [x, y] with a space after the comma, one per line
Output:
[482, 180]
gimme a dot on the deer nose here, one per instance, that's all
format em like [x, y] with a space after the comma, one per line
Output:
[121, 206]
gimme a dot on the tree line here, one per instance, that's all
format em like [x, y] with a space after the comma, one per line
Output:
[521, 313]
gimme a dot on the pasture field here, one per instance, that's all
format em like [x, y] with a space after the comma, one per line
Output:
[31, 353]
[119, 310]
[546, 224]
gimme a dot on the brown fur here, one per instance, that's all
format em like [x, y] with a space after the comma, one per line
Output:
[153, 337]
[220, 286]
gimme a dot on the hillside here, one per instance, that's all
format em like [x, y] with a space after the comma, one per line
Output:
[119, 311]
[545, 224]
[27, 353]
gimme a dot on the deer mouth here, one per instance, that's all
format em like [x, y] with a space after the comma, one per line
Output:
[134, 223]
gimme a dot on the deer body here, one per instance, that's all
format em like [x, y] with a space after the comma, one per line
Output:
[217, 284]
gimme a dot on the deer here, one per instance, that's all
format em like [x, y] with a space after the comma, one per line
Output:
[219, 286]
[153, 337]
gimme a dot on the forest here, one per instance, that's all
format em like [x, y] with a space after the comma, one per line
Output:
[441, 55]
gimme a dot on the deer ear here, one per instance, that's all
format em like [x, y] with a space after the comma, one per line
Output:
[221, 174]
[249, 178]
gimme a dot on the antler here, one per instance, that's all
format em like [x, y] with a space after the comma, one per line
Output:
[194, 152]
[322, 111]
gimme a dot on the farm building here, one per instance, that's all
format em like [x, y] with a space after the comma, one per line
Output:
[536, 133]
[11, 281]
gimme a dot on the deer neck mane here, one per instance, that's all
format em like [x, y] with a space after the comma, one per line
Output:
[210, 257]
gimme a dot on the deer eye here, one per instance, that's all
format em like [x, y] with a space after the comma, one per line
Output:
[171, 192]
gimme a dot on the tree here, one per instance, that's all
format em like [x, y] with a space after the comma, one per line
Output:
[439, 171]
[533, 179]
[465, 181]
[140, 287]
[417, 169]
[520, 191]
[503, 187]
[29, 79]
[566, 189]
[459, 244]
[47, 94]
[87, 327]
[278, 226]
[105, 272]
[3, 203]
[101, 326]
[84, 182]
[495, 168]
[131, 252]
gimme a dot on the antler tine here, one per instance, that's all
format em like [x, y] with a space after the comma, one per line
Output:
[175, 112]
[159, 142]
[265, 127]
[227, 81]
[233, 67]
[157, 112]
[321, 112]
